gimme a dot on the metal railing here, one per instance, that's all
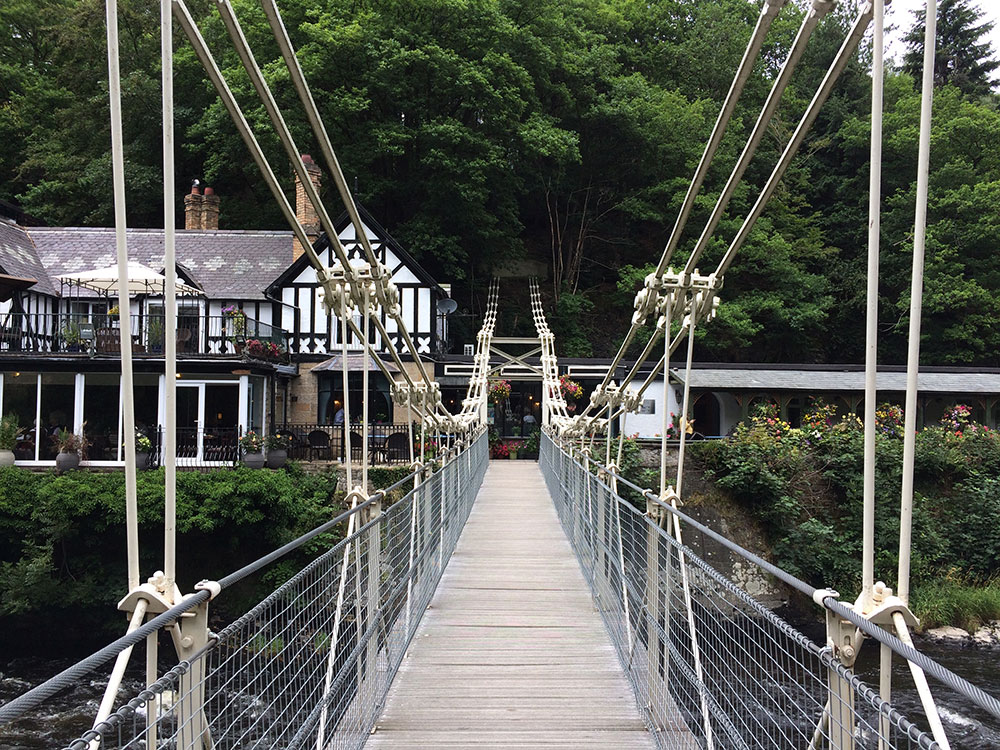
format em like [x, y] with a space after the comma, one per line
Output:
[387, 443]
[311, 664]
[198, 447]
[100, 335]
[710, 666]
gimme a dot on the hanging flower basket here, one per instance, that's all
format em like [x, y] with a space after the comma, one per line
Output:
[499, 391]
[570, 389]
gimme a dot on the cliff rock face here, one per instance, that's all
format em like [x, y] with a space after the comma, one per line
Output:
[707, 505]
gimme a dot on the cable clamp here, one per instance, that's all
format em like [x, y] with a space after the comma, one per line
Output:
[212, 587]
[821, 595]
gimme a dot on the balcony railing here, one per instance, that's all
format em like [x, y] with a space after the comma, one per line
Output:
[204, 335]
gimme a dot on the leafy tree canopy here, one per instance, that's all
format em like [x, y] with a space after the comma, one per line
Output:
[486, 132]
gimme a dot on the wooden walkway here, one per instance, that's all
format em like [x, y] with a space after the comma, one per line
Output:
[511, 652]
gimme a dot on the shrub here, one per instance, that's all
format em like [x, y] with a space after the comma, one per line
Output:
[251, 442]
[62, 542]
[10, 430]
[807, 485]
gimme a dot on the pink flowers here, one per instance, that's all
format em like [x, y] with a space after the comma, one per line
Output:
[267, 350]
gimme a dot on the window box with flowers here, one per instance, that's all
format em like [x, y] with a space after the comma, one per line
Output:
[267, 351]
[252, 446]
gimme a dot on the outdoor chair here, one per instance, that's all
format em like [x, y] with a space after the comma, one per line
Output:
[356, 443]
[397, 447]
[319, 444]
[183, 337]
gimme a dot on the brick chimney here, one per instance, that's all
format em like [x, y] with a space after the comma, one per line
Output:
[305, 212]
[192, 207]
[210, 210]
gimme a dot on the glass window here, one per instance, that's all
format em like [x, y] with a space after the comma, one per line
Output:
[20, 394]
[331, 398]
[147, 403]
[58, 396]
[255, 397]
[222, 403]
[100, 418]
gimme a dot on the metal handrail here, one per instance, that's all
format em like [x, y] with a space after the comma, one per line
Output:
[826, 598]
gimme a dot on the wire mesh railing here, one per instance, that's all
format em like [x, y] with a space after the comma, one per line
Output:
[710, 666]
[312, 663]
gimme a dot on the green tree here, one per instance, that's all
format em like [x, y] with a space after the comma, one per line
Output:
[962, 58]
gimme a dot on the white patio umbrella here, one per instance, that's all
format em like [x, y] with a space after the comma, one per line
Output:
[141, 280]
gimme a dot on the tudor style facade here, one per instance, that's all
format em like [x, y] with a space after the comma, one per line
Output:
[316, 332]
[253, 286]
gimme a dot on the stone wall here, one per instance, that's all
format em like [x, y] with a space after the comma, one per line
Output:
[303, 396]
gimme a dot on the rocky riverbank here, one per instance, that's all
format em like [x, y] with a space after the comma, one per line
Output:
[987, 636]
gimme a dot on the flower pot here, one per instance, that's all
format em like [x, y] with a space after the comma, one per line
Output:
[6, 458]
[253, 460]
[513, 455]
[276, 458]
[141, 460]
[67, 462]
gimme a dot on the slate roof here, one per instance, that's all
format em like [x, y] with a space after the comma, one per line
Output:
[19, 258]
[815, 380]
[225, 264]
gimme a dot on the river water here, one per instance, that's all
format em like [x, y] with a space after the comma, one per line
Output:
[968, 727]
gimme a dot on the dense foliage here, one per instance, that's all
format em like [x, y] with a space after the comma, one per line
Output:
[62, 541]
[806, 485]
[486, 131]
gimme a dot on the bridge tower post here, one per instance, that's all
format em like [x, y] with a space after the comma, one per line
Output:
[190, 636]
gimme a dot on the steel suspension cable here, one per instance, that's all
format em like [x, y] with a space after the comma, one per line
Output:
[840, 62]
[812, 18]
[239, 40]
[916, 301]
[124, 303]
[767, 15]
[170, 306]
[871, 316]
[253, 70]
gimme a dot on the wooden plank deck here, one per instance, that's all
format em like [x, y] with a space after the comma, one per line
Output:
[511, 652]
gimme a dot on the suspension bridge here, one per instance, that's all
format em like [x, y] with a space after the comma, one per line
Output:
[503, 604]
